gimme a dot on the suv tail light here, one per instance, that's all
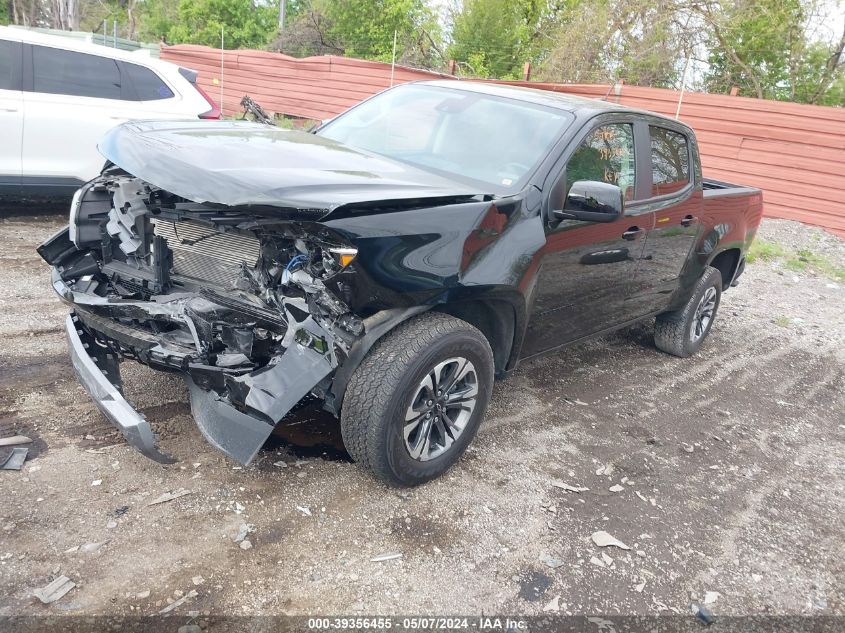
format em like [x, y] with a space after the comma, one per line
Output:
[215, 112]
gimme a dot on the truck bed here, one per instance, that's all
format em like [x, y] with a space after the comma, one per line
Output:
[718, 189]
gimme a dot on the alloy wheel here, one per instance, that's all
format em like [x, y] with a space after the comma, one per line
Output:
[703, 314]
[440, 408]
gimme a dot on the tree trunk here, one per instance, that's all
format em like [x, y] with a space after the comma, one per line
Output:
[833, 62]
[130, 20]
[65, 15]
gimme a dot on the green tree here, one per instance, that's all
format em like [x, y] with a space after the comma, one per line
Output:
[123, 12]
[245, 24]
[643, 42]
[365, 28]
[156, 18]
[494, 38]
[765, 48]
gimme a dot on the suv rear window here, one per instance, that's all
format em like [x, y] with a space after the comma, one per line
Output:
[148, 85]
[10, 65]
[669, 161]
[57, 71]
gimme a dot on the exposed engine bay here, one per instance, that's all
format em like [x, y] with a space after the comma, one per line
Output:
[244, 304]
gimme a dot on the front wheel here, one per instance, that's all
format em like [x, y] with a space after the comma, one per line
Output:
[682, 332]
[417, 399]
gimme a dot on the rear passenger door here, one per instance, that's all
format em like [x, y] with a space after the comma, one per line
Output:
[71, 99]
[11, 115]
[675, 199]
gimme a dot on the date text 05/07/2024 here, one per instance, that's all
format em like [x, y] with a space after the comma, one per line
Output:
[483, 623]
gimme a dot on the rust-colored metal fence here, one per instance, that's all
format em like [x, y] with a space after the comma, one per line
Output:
[312, 87]
[795, 153]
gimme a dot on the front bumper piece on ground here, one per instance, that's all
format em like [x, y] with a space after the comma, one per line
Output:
[238, 435]
[272, 392]
[91, 367]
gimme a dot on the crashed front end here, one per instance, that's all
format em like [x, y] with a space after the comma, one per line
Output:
[236, 300]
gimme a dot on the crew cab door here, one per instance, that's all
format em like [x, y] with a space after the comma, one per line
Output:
[11, 115]
[588, 270]
[673, 193]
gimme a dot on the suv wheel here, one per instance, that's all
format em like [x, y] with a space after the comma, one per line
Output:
[415, 402]
[683, 331]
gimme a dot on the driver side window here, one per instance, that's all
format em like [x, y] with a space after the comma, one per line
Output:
[606, 155]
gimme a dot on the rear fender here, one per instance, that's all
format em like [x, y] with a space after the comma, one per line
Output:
[717, 239]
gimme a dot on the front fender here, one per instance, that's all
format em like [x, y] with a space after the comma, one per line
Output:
[375, 327]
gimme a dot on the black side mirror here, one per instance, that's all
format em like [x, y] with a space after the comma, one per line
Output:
[592, 201]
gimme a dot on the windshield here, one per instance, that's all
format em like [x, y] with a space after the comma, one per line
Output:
[491, 139]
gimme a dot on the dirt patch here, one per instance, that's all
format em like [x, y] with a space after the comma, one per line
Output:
[422, 533]
[534, 586]
[11, 426]
[309, 432]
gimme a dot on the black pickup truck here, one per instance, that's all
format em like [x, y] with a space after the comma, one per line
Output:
[391, 263]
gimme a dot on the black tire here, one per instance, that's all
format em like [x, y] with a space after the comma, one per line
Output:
[381, 390]
[675, 332]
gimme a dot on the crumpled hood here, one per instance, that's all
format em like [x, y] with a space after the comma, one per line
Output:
[240, 163]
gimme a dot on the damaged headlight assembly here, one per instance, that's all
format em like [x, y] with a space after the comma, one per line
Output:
[343, 256]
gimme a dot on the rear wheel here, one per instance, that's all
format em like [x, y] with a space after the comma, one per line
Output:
[682, 332]
[417, 399]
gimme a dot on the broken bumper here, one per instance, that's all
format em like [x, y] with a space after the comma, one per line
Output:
[267, 394]
[108, 396]
[237, 434]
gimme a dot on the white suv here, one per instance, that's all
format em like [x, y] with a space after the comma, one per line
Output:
[58, 97]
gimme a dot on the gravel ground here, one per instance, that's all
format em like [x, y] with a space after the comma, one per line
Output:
[723, 473]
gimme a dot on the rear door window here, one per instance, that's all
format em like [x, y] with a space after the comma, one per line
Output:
[57, 71]
[10, 65]
[670, 170]
[148, 85]
[606, 155]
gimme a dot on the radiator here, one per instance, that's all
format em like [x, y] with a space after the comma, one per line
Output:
[205, 254]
